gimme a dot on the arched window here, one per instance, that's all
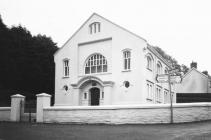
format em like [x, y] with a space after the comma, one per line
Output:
[159, 68]
[94, 27]
[126, 57]
[149, 63]
[96, 64]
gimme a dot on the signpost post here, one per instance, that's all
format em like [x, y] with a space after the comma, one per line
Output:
[170, 78]
[171, 100]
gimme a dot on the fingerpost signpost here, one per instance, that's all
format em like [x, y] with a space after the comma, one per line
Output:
[172, 77]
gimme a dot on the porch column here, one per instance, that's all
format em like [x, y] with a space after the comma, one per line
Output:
[76, 96]
[107, 95]
[16, 101]
[43, 100]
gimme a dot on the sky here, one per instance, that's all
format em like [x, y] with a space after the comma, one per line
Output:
[182, 28]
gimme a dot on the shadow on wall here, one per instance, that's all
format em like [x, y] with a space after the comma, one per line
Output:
[193, 97]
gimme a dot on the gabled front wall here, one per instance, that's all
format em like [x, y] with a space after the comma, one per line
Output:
[110, 42]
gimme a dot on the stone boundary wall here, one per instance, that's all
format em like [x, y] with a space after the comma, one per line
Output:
[5, 113]
[128, 114]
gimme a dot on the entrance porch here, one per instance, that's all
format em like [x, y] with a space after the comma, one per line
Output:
[92, 91]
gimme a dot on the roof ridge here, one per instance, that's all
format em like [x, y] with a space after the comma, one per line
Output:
[196, 71]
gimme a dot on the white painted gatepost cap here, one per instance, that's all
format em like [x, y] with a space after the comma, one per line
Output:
[43, 95]
[17, 96]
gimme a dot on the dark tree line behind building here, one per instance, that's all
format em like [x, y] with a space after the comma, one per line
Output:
[171, 60]
[26, 63]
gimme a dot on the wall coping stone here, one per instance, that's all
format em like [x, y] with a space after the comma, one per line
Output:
[17, 96]
[118, 107]
[5, 108]
[43, 95]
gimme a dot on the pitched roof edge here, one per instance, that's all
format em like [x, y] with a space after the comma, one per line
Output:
[158, 55]
[74, 33]
[196, 71]
[148, 46]
[104, 19]
[121, 27]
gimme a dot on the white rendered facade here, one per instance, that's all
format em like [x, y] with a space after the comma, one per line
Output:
[105, 64]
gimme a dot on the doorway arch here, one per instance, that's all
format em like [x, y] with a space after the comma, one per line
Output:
[94, 96]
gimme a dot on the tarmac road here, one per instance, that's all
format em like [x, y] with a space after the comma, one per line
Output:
[34, 131]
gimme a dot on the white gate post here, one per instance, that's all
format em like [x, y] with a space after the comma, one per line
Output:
[15, 113]
[43, 100]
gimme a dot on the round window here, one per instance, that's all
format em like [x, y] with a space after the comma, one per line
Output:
[65, 87]
[127, 84]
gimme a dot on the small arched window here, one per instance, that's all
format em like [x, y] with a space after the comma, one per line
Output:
[94, 27]
[96, 64]
[149, 62]
[127, 58]
[159, 68]
[166, 71]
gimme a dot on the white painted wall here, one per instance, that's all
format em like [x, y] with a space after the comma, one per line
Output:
[151, 76]
[112, 50]
[133, 114]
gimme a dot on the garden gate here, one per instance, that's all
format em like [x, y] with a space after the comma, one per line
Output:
[28, 111]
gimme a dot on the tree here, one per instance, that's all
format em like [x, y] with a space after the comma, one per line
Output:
[171, 60]
[184, 68]
[205, 72]
[167, 57]
[26, 62]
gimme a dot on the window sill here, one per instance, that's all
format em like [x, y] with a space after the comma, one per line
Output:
[149, 99]
[126, 70]
[103, 73]
[64, 77]
[149, 69]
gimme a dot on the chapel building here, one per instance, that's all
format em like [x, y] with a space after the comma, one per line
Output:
[105, 64]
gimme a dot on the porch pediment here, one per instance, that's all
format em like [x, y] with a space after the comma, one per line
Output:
[92, 78]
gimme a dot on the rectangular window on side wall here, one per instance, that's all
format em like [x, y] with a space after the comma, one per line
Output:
[127, 60]
[149, 91]
[158, 95]
[85, 95]
[102, 95]
[209, 84]
[66, 68]
[165, 96]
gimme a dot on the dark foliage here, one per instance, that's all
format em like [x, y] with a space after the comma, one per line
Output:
[171, 60]
[167, 57]
[184, 68]
[205, 72]
[26, 63]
